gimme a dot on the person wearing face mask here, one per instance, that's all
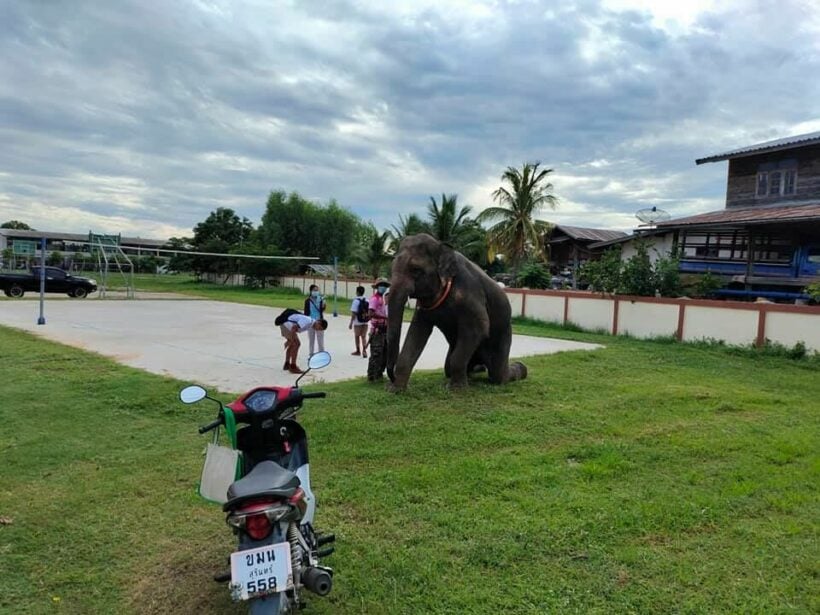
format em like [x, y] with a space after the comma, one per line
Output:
[378, 331]
[315, 308]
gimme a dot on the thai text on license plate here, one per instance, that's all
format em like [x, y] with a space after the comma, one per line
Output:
[261, 571]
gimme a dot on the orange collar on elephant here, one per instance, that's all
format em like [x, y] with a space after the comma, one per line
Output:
[440, 300]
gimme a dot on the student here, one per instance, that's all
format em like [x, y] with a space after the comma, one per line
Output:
[358, 322]
[378, 331]
[315, 308]
[295, 324]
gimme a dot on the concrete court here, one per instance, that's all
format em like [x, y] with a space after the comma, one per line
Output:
[230, 346]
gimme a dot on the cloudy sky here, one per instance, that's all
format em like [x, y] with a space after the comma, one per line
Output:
[142, 116]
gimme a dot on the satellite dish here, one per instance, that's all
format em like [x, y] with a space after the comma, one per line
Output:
[652, 215]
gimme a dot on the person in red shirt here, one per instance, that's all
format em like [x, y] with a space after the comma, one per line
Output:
[378, 331]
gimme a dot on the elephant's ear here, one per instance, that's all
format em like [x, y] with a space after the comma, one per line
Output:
[447, 263]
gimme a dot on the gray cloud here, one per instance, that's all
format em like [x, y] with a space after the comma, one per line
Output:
[144, 116]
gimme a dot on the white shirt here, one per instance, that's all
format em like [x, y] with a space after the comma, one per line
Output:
[298, 321]
[354, 309]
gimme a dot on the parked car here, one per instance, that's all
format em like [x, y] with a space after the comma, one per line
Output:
[57, 281]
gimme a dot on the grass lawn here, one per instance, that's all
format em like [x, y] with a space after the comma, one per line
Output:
[644, 477]
[187, 285]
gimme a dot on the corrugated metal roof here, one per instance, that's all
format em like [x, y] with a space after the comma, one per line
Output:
[767, 146]
[324, 270]
[590, 234]
[750, 215]
[612, 242]
[126, 241]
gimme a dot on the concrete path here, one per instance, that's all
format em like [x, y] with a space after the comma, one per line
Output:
[226, 345]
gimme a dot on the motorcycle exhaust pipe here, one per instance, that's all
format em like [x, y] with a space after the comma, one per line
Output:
[317, 580]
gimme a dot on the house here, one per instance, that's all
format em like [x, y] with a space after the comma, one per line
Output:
[570, 246]
[766, 240]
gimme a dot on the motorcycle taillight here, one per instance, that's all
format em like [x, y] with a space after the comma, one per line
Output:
[298, 499]
[258, 526]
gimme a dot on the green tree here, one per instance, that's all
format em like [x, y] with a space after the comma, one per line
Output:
[534, 275]
[258, 272]
[452, 225]
[17, 225]
[374, 255]
[299, 227]
[55, 259]
[447, 220]
[604, 274]
[516, 233]
[7, 257]
[222, 232]
[411, 225]
[223, 226]
[638, 275]
[180, 261]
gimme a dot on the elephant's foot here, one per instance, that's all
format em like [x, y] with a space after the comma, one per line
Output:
[392, 387]
[517, 371]
[456, 384]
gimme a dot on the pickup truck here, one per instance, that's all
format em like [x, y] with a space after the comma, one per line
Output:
[57, 281]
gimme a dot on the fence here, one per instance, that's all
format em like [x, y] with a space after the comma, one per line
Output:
[734, 322]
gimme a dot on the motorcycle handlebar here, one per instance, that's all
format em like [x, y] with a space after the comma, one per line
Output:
[210, 426]
[313, 395]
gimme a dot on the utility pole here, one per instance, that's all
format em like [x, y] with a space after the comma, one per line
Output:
[335, 284]
[42, 319]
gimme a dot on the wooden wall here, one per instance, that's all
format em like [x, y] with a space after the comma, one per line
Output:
[742, 178]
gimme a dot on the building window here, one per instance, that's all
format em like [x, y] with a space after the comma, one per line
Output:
[777, 179]
[734, 246]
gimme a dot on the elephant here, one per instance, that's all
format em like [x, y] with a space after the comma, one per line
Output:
[455, 295]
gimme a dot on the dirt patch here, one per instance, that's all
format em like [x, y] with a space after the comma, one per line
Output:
[181, 582]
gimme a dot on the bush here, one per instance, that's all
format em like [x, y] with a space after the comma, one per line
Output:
[638, 275]
[534, 275]
[55, 259]
[813, 291]
[635, 276]
[603, 275]
[706, 284]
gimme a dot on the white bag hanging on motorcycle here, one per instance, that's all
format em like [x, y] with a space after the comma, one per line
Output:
[218, 472]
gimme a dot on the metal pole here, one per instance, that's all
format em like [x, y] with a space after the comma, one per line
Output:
[42, 319]
[335, 282]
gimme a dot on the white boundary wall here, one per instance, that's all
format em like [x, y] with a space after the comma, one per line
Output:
[733, 322]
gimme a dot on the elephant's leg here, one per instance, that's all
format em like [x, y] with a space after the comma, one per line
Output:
[447, 362]
[417, 336]
[497, 370]
[500, 371]
[478, 363]
[465, 348]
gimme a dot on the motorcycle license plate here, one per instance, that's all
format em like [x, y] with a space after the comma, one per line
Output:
[261, 571]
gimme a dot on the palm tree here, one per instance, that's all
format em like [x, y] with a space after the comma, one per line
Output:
[374, 255]
[447, 221]
[411, 225]
[453, 226]
[516, 233]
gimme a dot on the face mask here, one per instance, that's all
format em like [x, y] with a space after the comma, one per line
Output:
[314, 293]
[381, 289]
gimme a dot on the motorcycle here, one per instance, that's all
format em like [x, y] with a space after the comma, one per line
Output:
[270, 506]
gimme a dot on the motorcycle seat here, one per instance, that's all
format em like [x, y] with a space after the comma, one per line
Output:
[267, 479]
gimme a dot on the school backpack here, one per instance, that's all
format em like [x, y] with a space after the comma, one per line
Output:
[363, 311]
[284, 316]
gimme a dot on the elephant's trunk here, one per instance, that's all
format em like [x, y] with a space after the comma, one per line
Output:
[395, 315]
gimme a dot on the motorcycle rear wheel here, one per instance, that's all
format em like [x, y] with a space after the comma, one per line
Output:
[275, 604]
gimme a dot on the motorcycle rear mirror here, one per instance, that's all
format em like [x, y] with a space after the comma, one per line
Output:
[192, 394]
[319, 360]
